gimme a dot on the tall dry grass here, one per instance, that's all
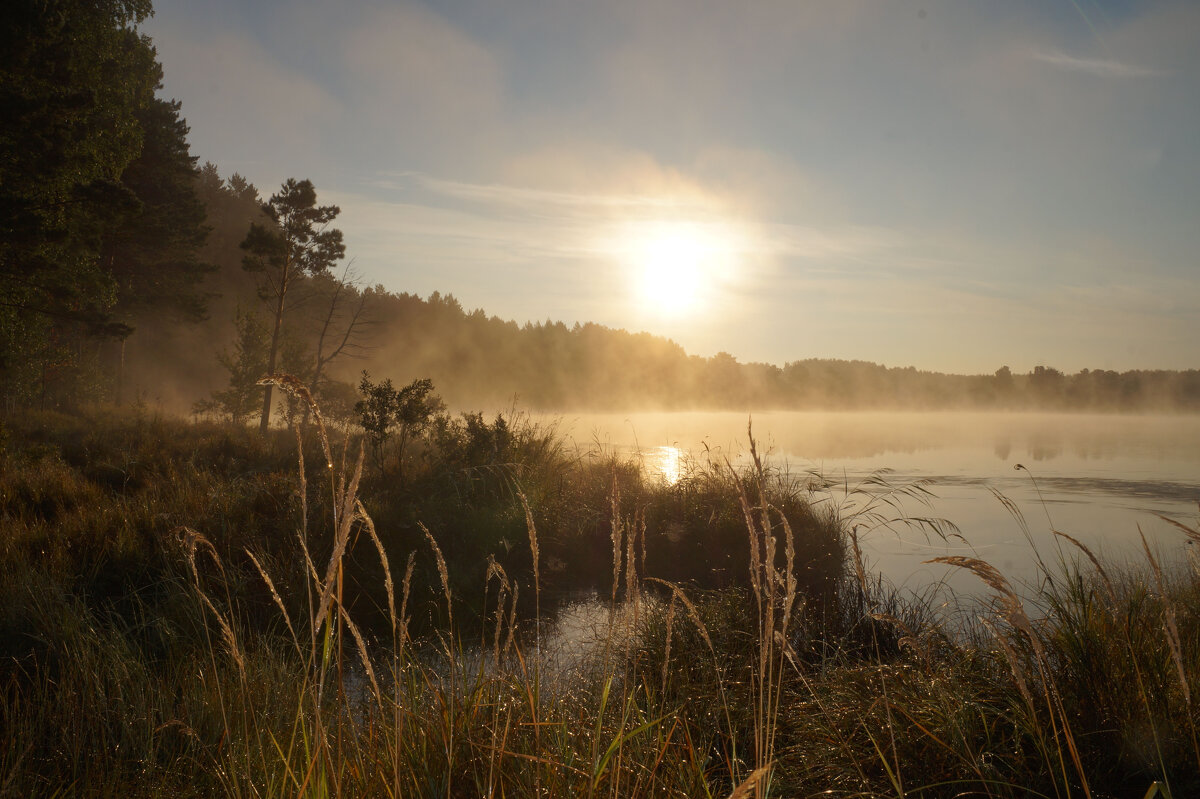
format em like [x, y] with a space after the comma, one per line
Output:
[248, 670]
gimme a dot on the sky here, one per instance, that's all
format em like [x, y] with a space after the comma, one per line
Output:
[952, 185]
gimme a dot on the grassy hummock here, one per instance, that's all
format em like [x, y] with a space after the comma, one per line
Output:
[193, 610]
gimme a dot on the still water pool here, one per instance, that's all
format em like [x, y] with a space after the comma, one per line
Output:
[1099, 478]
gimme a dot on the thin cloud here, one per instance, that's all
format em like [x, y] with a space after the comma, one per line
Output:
[548, 209]
[1099, 67]
[515, 195]
[246, 105]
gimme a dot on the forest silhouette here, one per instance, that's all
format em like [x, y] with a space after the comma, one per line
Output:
[481, 361]
[130, 274]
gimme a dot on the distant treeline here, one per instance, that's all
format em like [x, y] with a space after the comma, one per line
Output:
[481, 361]
[129, 274]
[478, 360]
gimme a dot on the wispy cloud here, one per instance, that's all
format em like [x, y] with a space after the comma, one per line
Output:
[500, 194]
[248, 106]
[595, 212]
[1100, 67]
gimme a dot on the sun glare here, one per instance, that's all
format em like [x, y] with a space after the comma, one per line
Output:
[668, 462]
[676, 265]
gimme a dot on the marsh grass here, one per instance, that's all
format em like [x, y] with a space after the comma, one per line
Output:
[221, 616]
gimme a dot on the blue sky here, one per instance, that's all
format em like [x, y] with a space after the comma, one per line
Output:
[951, 185]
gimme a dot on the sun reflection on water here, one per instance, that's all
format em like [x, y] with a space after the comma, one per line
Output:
[668, 462]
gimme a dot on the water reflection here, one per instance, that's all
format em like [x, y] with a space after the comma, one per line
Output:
[822, 436]
[1102, 479]
[667, 462]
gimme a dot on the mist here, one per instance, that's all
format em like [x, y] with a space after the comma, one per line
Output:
[359, 360]
[482, 362]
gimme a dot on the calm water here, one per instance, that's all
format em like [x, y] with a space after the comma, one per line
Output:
[1100, 477]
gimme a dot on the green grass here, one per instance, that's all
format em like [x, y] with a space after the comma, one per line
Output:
[189, 611]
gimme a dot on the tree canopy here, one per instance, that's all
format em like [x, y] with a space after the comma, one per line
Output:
[97, 210]
[297, 242]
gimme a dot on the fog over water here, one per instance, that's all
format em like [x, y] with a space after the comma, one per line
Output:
[1098, 478]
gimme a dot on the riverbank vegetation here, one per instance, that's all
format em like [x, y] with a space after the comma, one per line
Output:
[194, 610]
[382, 598]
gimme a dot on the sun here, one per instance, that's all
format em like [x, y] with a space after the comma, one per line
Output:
[675, 265]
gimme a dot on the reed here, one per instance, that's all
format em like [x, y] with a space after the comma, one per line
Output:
[222, 618]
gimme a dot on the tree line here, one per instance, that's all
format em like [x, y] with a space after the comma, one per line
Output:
[128, 273]
[117, 253]
[99, 224]
[478, 360]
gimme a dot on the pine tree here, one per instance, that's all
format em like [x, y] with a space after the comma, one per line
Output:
[152, 253]
[298, 241]
[74, 76]
[246, 363]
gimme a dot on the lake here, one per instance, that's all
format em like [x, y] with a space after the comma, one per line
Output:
[1098, 478]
